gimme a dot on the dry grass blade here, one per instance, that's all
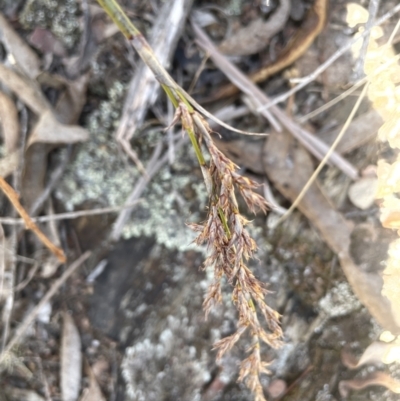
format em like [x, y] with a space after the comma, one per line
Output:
[27, 90]
[13, 197]
[69, 215]
[326, 158]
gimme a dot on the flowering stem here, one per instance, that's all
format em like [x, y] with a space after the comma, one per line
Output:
[224, 222]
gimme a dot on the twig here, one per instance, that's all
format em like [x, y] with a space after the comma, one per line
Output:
[347, 92]
[269, 196]
[309, 141]
[2, 259]
[311, 77]
[144, 89]
[326, 158]
[9, 292]
[372, 11]
[296, 382]
[30, 276]
[54, 180]
[196, 77]
[69, 215]
[13, 197]
[393, 35]
[170, 135]
[20, 331]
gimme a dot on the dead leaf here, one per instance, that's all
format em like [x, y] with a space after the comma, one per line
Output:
[391, 278]
[373, 379]
[9, 163]
[71, 101]
[34, 173]
[254, 37]
[289, 178]
[14, 393]
[26, 89]
[377, 352]
[52, 131]
[361, 130]
[46, 42]
[25, 57]
[71, 360]
[48, 130]
[9, 123]
[93, 393]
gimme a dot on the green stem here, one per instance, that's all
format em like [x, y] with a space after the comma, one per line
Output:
[120, 19]
[224, 223]
[170, 95]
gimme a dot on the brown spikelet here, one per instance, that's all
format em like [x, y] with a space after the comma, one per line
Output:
[230, 246]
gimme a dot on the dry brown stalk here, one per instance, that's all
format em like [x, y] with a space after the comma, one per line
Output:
[13, 197]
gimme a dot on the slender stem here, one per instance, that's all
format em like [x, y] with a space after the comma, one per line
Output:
[224, 222]
[120, 18]
[170, 95]
[197, 149]
[146, 54]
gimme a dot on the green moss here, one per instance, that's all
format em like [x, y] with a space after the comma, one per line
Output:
[58, 16]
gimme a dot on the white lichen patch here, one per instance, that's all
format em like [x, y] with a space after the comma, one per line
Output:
[98, 172]
[154, 369]
[339, 301]
[324, 394]
[61, 17]
[164, 212]
[103, 174]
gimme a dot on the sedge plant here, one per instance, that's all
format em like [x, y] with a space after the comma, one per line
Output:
[224, 232]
